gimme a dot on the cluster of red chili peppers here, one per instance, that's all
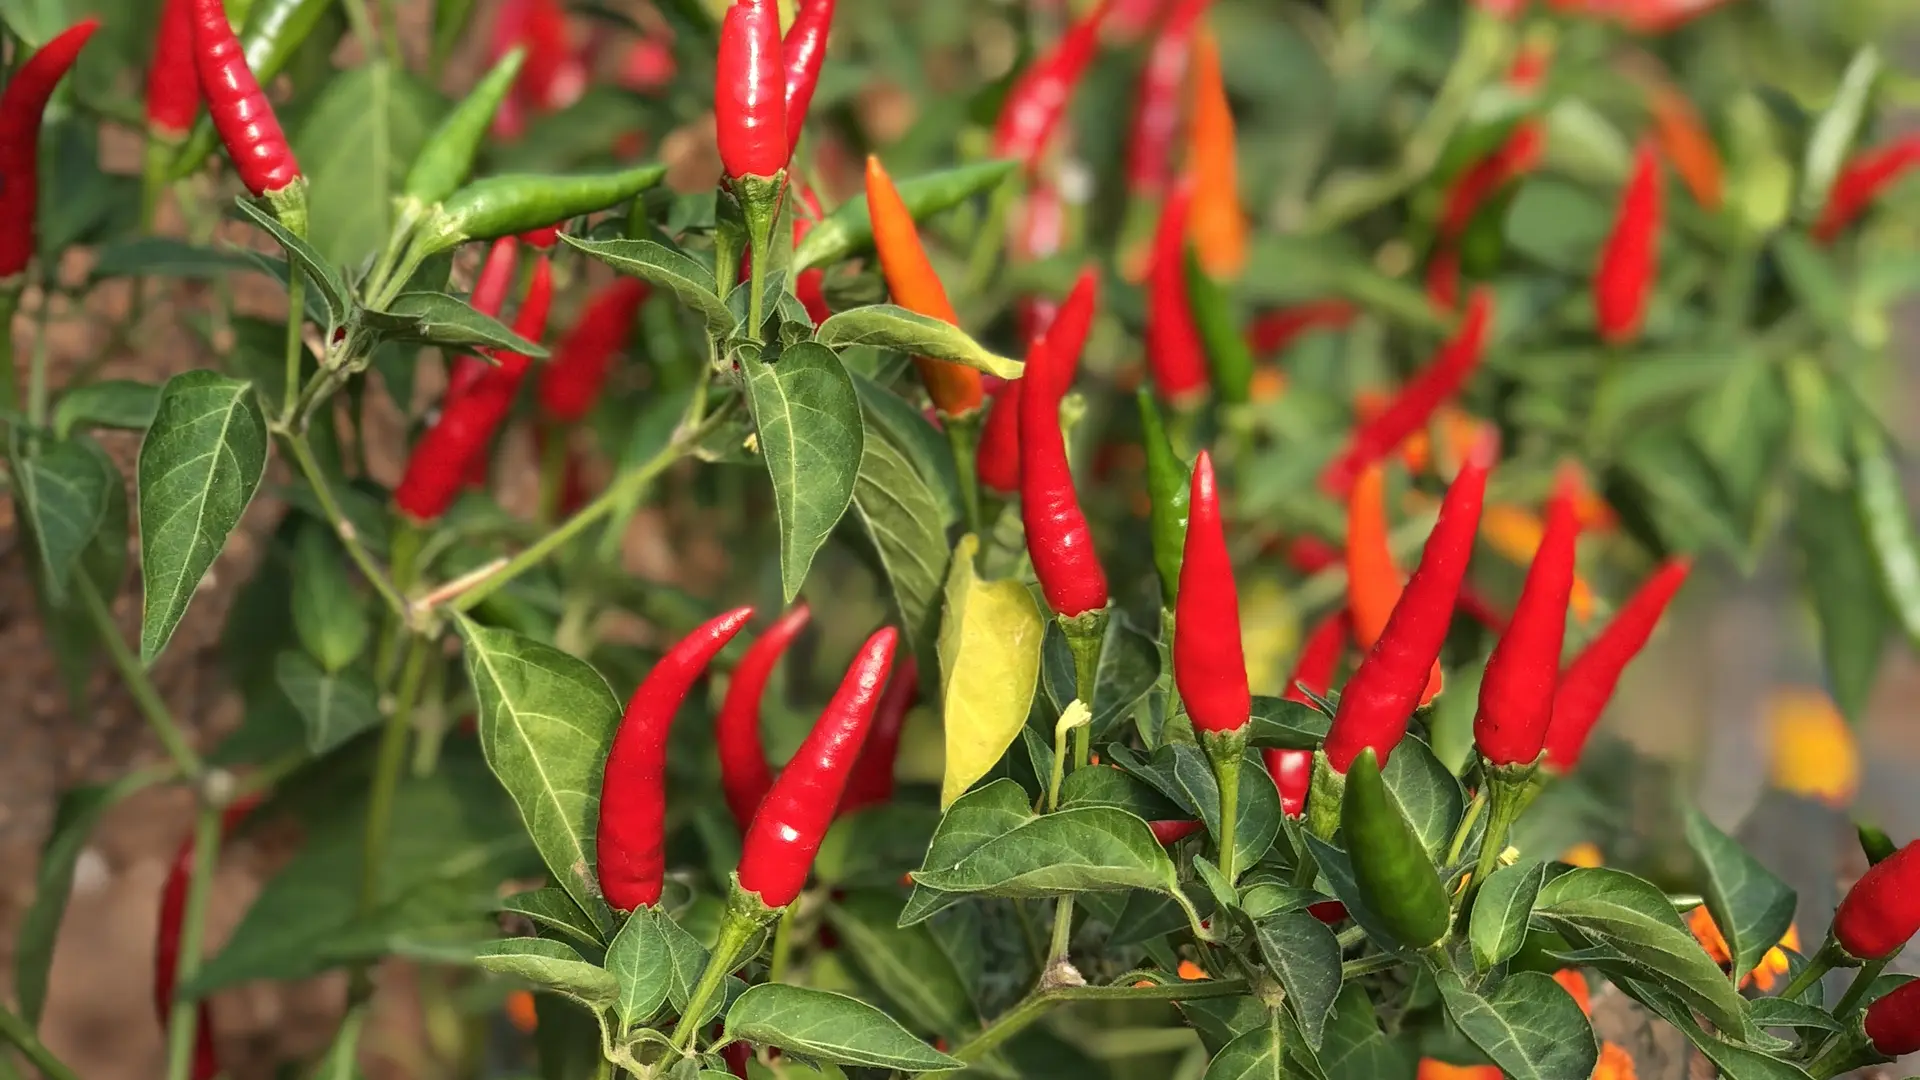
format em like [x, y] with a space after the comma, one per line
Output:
[21, 107]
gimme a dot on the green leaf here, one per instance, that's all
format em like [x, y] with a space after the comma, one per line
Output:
[1259, 1054]
[875, 846]
[328, 613]
[887, 326]
[973, 819]
[336, 706]
[546, 723]
[1355, 1048]
[689, 959]
[63, 494]
[1752, 907]
[551, 965]
[553, 910]
[848, 230]
[199, 466]
[686, 278]
[990, 640]
[1428, 795]
[1129, 669]
[328, 288]
[1304, 955]
[830, 1027]
[1558, 224]
[1734, 1062]
[811, 437]
[907, 521]
[1498, 926]
[111, 403]
[439, 319]
[361, 133]
[641, 963]
[1833, 133]
[165, 256]
[1837, 566]
[1287, 725]
[1774, 1012]
[1121, 789]
[906, 964]
[1531, 1027]
[1087, 849]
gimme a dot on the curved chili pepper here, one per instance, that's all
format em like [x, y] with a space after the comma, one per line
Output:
[1892, 1022]
[1067, 334]
[997, 461]
[1275, 331]
[1516, 695]
[1415, 404]
[955, 388]
[1175, 354]
[571, 381]
[1156, 117]
[1588, 682]
[805, 50]
[173, 86]
[22, 105]
[1391, 867]
[166, 944]
[1514, 159]
[1058, 539]
[872, 781]
[630, 839]
[1862, 180]
[447, 156]
[786, 832]
[1623, 283]
[1209, 662]
[241, 112]
[1219, 228]
[1039, 98]
[275, 31]
[1687, 146]
[750, 91]
[1882, 910]
[1381, 696]
[744, 775]
[489, 296]
[1172, 832]
[1169, 487]
[1373, 580]
[1293, 769]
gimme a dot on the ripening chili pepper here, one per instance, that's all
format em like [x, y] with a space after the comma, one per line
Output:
[1169, 487]
[507, 205]
[572, 379]
[1058, 540]
[1391, 867]
[804, 50]
[1209, 663]
[488, 297]
[1588, 682]
[1156, 117]
[1373, 580]
[744, 775]
[173, 86]
[1218, 227]
[1380, 697]
[736, 1055]
[1039, 98]
[1175, 354]
[997, 461]
[1275, 331]
[1415, 404]
[750, 95]
[241, 112]
[1687, 146]
[1882, 910]
[1516, 695]
[166, 944]
[447, 156]
[630, 839]
[1892, 1022]
[955, 388]
[872, 781]
[1623, 283]
[786, 832]
[1172, 832]
[1443, 279]
[1875, 844]
[1214, 319]
[1314, 669]
[1862, 180]
[22, 105]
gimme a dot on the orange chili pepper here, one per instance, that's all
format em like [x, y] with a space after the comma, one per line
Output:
[1215, 222]
[1614, 1064]
[955, 388]
[520, 1012]
[1687, 146]
[1430, 1069]
[1192, 972]
[1373, 581]
[1575, 984]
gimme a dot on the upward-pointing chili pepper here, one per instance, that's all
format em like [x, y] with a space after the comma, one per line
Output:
[1687, 146]
[1391, 867]
[955, 388]
[805, 50]
[1039, 98]
[166, 943]
[1219, 227]
[1293, 769]
[1175, 354]
[997, 462]
[173, 86]
[1209, 663]
[786, 832]
[1588, 682]
[1169, 487]
[1156, 118]
[872, 781]
[1067, 333]
[1862, 180]
[1058, 539]
[1373, 581]
[447, 156]
[1624, 281]
[489, 296]
[1411, 408]
[630, 839]
[241, 112]
[744, 775]
[571, 381]
[21, 108]
[1516, 696]
[1221, 339]
[1381, 696]
[750, 95]
[1882, 910]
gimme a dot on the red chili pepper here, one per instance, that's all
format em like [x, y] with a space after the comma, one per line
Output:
[1516, 696]
[744, 775]
[541, 239]
[1893, 1021]
[1209, 663]
[1373, 580]
[1171, 832]
[1163, 85]
[736, 1055]
[554, 75]
[572, 380]
[21, 107]
[1293, 769]
[1381, 696]
[786, 832]
[241, 112]
[489, 296]
[1275, 331]
[630, 839]
[1175, 353]
[1067, 332]
[1588, 682]
[1519, 155]
[166, 944]
[1624, 281]
[1038, 99]
[811, 286]
[1058, 539]
[173, 86]
[1862, 180]
[1415, 404]
[1882, 910]
[1039, 230]
[1443, 279]
[997, 462]
[872, 781]
[750, 97]
[805, 49]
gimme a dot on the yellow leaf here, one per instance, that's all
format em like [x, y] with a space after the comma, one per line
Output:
[992, 631]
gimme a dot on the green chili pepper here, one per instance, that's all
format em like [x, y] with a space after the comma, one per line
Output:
[1883, 511]
[849, 229]
[1395, 875]
[1875, 844]
[447, 157]
[1168, 482]
[1226, 347]
[275, 30]
[505, 205]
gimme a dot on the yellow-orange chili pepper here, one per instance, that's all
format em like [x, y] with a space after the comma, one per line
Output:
[1373, 581]
[955, 388]
[1215, 223]
[1687, 146]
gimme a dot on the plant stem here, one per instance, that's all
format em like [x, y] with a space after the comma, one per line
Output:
[963, 435]
[386, 782]
[134, 675]
[1862, 982]
[1367, 964]
[735, 933]
[1817, 967]
[296, 319]
[1226, 771]
[1460, 834]
[309, 466]
[37, 370]
[782, 946]
[9, 379]
[181, 1027]
[15, 1030]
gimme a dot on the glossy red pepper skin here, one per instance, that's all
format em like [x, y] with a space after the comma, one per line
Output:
[1172, 832]
[541, 239]
[872, 781]
[1893, 1021]
[1519, 155]
[1882, 910]
[1292, 770]
[1276, 331]
[1209, 662]
[173, 85]
[1415, 404]
[489, 296]
[1163, 94]
[1377, 702]
[1058, 539]
[1176, 355]
[166, 945]
[1067, 332]
[1588, 683]
[997, 461]
[22, 105]
[1516, 696]
[1862, 180]
[241, 112]
[1039, 98]
[630, 839]
[785, 835]
[572, 379]
[750, 91]
[804, 50]
[744, 774]
[1623, 283]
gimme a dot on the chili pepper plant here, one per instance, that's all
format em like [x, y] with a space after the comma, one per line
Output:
[992, 450]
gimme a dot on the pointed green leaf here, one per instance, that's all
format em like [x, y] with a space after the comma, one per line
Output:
[63, 494]
[110, 403]
[973, 819]
[329, 289]
[810, 436]
[363, 128]
[335, 706]
[1259, 1054]
[641, 962]
[907, 964]
[1752, 907]
[551, 965]
[328, 614]
[1531, 1027]
[887, 326]
[686, 278]
[1500, 911]
[1305, 956]
[439, 319]
[553, 910]
[830, 1027]
[1087, 849]
[907, 521]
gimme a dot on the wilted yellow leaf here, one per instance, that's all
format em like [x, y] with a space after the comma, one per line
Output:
[990, 637]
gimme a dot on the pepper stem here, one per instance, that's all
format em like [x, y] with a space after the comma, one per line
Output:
[746, 915]
[759, 198]
[1086, 636]
[9, 379]
[1227, 751]
[963, 435]
[1324, 796]
[1829, 957]
[1862, 982]
[1509, 789]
